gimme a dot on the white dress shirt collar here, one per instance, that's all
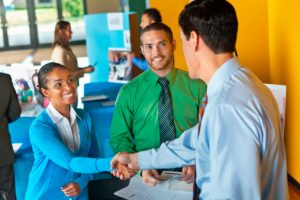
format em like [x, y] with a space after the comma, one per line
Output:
[56, 116]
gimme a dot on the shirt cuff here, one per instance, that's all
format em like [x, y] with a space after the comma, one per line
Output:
[144, 160]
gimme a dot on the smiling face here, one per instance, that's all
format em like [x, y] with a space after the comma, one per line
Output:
[158, 51]
[60, 88]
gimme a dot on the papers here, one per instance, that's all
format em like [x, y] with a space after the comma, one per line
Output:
[94, 97]
[279, 92]
[172, 182]
[16, 146]
[137, 190]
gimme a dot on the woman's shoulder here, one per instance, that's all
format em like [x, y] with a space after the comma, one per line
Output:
[58, 50]
[41, 123]
[42, 118]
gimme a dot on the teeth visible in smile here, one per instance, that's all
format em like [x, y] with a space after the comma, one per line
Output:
[68, 95]
[157, 59]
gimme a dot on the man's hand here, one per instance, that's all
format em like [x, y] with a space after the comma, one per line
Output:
[120, 161]
[123, 172]
[188, 174]
[151, 177]
[71, 190]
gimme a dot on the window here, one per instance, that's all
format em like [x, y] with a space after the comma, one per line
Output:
[30, 24]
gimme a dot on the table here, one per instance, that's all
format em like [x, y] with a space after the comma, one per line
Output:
[104, 188]
[19, 131]
[101, 112]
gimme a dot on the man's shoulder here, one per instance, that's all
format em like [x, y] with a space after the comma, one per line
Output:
[4, 76]
[135, 82]
[5, 80]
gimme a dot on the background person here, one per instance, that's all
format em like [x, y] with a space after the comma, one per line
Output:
[40, 99]
[149, 16]
[62, 141]
[10, 110]
[25, 94]
[62, 52]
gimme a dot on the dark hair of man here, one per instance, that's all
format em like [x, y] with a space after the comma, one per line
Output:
[59, 38]
[43, 74]
[153, 14]
[214, 20]
[158, 27]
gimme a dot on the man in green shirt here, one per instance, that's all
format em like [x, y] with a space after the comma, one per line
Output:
[135, 125]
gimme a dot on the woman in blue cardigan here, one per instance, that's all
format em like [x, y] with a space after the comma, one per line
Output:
[61, 141]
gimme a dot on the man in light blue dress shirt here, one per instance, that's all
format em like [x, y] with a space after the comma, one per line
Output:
[239, 152]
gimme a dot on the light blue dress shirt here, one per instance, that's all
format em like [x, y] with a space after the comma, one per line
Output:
[240, 152]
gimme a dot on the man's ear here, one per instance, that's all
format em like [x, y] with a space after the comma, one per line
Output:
[45, 92]
[194, 38]
[174, 44]
[142, 49]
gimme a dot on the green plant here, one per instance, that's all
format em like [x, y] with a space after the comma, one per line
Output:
[73, 7]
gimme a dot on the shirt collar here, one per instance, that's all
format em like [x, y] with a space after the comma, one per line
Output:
[221, 75]
[56, 116]
[153, 78]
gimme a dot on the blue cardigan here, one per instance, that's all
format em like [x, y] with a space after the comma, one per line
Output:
[55, 165]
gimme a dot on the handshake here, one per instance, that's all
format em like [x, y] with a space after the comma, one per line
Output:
[124, 165]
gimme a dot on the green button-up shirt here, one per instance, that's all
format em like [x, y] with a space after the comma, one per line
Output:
[135, 125]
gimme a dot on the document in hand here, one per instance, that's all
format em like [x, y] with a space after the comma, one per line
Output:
[137, 190]
[172, 182]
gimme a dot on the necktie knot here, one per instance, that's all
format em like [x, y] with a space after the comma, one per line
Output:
[163, 82]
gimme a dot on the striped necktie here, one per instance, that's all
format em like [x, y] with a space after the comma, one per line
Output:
[165, 112]
[196, 190]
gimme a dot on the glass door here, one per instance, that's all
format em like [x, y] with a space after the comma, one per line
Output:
[73, 11]
[46, 18]
[17, 24]
[14, 23]
[31, 23]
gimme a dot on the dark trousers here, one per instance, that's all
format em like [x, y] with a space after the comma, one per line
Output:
[7, 183]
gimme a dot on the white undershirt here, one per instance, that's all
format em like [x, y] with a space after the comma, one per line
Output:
[69, 131]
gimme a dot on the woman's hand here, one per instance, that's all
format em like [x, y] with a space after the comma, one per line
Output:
[88, 69]
[71, 190]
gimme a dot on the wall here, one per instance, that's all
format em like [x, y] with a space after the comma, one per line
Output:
[170, 12]
[252, 47]
[99, 6]
[268, 43]
[284, 32]
[137, 6]
[252, 43]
